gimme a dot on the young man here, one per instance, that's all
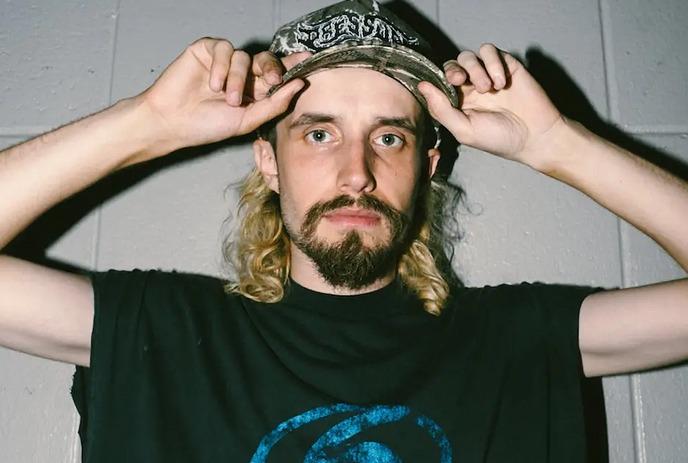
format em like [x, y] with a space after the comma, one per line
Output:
[341, 339]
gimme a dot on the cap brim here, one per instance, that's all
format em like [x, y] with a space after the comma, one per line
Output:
[402, 64]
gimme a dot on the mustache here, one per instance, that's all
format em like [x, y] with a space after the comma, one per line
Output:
[397, 220]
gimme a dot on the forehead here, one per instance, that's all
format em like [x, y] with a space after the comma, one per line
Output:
[355, 94]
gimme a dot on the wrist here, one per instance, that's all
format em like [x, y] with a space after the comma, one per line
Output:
[566, 145]
[147, 135]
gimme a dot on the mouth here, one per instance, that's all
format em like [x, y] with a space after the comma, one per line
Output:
[351, 217]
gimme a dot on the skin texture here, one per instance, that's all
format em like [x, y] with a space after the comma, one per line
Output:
[505, 112]
[338, 142]
[212, 92]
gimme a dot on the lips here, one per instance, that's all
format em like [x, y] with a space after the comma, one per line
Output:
[353, 217]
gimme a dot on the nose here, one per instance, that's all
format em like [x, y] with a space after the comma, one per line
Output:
[356, 170]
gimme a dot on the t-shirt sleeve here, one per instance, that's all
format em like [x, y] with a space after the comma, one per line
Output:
[558, 310]
[118, 297]
[145, 324]
[544, 370]
[539, 322]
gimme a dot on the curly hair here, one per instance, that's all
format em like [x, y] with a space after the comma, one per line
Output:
[261, 257]
[260, 251]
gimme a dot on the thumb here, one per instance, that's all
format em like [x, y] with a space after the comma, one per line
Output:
[443, 112]
[268, 108]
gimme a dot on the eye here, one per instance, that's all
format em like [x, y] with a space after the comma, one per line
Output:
[389, 140]
[319, 136]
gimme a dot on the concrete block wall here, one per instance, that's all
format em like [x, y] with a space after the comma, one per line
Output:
[621, 61]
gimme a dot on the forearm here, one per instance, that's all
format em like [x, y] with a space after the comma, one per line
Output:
[41, 172]
[641, 193]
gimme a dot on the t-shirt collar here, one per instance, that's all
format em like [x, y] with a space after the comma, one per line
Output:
[391, 299]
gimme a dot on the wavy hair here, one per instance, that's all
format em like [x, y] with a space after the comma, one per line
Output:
[259, 251]
[260, 256]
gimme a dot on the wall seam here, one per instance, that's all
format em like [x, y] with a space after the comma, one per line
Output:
[657, 129]
[276, 14]
[75, 456]
[24, 131]
[638, 419]
[612, 106]
[99, 213]
[612, 94]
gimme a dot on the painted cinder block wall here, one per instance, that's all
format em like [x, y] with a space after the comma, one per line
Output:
[619, 61]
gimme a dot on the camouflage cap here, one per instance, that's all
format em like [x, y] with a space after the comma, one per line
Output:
[362, 34]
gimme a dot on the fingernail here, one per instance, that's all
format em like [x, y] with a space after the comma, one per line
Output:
[499, 81]
[275, 78]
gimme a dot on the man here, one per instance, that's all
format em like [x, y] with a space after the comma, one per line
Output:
[386, 363]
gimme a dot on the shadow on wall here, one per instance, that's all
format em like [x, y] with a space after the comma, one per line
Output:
[562, 89]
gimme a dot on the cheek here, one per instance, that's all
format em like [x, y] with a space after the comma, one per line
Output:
[403, 187]
[301, 186]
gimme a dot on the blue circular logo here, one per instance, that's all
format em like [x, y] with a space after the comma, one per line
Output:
[336, 446]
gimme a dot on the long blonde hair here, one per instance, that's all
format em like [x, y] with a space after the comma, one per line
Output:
[261, 258]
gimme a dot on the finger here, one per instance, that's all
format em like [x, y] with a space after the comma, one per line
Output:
[267, 66]
[512, 64]
[443, 112]
[292, 60]
[221, 53]
[476, 72]
[236, 78]
[454, 73]
[268, 108]
[493, 63]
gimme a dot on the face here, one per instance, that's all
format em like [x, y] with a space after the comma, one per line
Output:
[348, 169]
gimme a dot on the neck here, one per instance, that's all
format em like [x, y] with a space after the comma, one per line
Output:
[304, 272]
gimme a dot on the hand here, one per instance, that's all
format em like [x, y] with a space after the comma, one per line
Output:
[212, 92]
[503, 110]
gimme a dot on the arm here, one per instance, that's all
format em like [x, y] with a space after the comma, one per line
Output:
[636, 328]
[506, 112]
[50, 313]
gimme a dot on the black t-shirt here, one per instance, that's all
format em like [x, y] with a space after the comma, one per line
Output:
[183, 372]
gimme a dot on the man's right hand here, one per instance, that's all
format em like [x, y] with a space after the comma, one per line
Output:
[213, 91]
[48, 312]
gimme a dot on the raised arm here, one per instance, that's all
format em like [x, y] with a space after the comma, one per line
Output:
[209, 93]
[506, 112]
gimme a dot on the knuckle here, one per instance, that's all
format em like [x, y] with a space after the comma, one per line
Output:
[487, 47]
[269, 60]
[224, 46]
[450, 63]
[242, 56]
[265, 56]
[466, 56]
[202, 40]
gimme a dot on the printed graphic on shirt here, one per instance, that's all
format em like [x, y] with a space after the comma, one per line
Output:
[336, 445]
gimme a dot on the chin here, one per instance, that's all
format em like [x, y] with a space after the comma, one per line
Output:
[368, 240]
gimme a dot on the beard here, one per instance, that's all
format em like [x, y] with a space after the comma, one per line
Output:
[349, 263]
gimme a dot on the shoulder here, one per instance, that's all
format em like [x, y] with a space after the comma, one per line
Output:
[533, 302]
[159, 288]
[166, 305]
[155, 279]
[513, 296]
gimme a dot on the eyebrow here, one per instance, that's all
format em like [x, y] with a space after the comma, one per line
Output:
[312, 118]
[315, 118]
[400, 122]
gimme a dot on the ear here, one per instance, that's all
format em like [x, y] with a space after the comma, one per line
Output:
[266, 162]
[433, 159]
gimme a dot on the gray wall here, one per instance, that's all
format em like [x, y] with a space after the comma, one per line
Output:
[63, 60]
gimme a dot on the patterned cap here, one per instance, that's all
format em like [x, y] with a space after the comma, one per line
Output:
[361, 34]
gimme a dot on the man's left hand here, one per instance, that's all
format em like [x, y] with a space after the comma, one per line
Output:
[503, 110]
